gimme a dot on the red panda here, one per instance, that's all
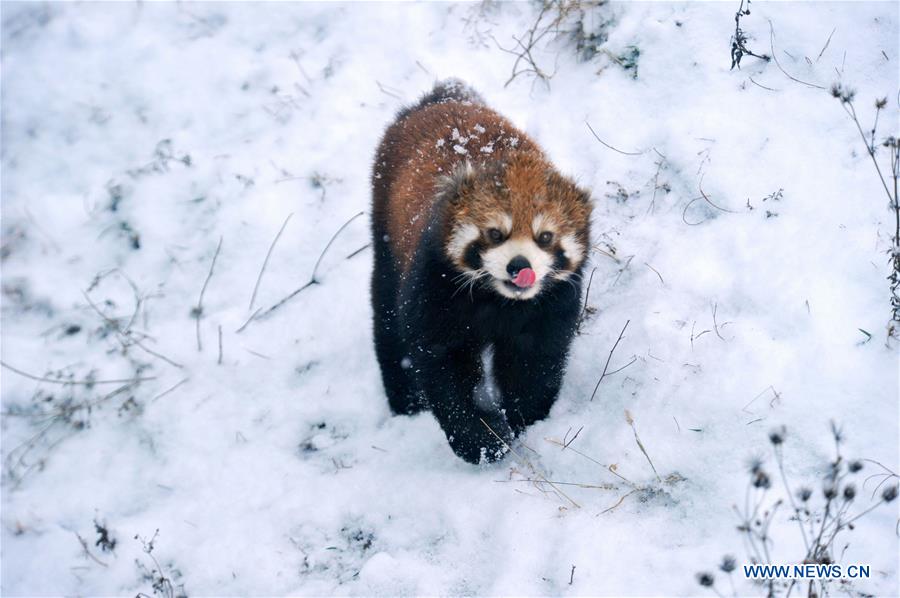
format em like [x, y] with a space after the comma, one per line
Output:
[479, 244]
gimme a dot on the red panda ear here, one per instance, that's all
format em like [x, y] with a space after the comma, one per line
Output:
[555, 179]
[451, 187]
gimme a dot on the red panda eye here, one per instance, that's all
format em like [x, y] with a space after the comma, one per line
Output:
[545, 238]
[495, 235]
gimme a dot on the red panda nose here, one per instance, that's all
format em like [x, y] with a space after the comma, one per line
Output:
[519, 262]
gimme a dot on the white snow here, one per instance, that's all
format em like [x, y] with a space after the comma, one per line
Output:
[281, 471]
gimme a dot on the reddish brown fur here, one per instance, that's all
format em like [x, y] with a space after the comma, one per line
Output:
[419, 149]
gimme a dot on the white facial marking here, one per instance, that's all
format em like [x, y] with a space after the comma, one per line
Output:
[572, 249]
[497, 258]
[542, 223]
[502, 223]
[460, 238]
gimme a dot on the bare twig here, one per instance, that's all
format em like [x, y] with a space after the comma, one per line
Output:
[587, 294]
[219, 361]
[684, 212]
[525, 61]
[259, 314]
[715, 308]
[165, 392]
[586, 486]
[760, 85]
[657, 273]
[637, 439]
[892, 144]
[87, 551]
[266, 261]
[386, 91]
[708, 200]
[358, 251]
[739, 39]
[778, 64]
[825, 47]
[610, 468]
[529, 464]
[609, 357]
[618, 502]
[75, 382]
[566, 442]
[126, 335]
[198, 310]
[597, 137]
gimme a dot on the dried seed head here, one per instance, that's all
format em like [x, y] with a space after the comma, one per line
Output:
[849, 492]
[728, 563]
[761, 480]
[776, 436]
[830, 491]
[804, 494]
[706, 579]
[835, 431]
[889, 494]
[855, 466]
[879, 104]
[755, 465]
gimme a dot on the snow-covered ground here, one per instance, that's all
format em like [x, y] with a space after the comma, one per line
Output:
[136, 137]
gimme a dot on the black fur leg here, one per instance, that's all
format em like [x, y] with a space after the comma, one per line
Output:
[449, 379]
[529, 383]
[389, 346]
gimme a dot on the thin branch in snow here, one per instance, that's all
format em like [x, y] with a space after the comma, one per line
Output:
[75, 382]
[610, 468]
[528, 463]
[587, 294]
[259, 314]
[715, 308]
[657, 273]
[889, 183]
[577, 484]
[695, 337]
[87, 551]
[663, 161]
[622, 269]
[165, 392]
[265, 263]
[739, 39]
[686, 208]
[775, 393]
[618, 502]
[609, 357]
[126, 335]
[778, 64]
[708, 200]
[566, 442]
[597, 137]
[197, 312]
[219, 361]
[358, 251]
[525, 62]
[640, 444]
[760, 85]
[825, 47]
[386, 91]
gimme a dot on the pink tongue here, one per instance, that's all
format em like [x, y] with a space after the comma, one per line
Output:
[525, 278]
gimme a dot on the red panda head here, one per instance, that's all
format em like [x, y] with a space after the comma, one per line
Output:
[517, 227]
